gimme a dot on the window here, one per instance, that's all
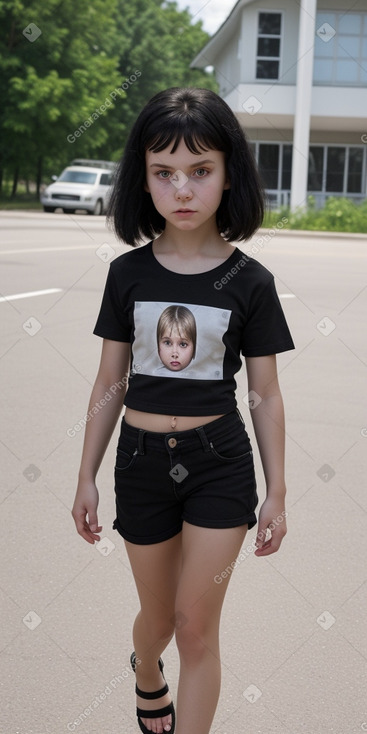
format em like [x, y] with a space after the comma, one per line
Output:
[275, 168]
[336, 169]
[332, 169]
[286, 166]
[315, 168]
[106, 179]
[355, 171]
[82, 177]
[269, 164]
[341, 48]
[268, 46]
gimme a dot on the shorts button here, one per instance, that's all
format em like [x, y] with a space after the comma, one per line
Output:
[172, 443]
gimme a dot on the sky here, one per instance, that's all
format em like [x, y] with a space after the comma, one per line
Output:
[212, 12]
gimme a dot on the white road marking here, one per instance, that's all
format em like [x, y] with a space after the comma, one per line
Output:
[286, 295]
[27, 250]
[16, 296]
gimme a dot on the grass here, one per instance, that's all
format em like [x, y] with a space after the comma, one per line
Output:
[338, 215]
[21, 201]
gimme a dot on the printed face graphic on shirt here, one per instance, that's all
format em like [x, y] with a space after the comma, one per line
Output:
[176, 337]
[179, 340]
[175, 351]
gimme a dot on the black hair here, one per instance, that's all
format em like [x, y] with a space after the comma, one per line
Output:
[204, 121]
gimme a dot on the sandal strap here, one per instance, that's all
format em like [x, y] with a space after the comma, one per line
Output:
[133, 663]
[165, 711]
[151, 694]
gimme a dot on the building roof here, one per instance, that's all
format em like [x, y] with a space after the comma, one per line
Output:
[221, 37]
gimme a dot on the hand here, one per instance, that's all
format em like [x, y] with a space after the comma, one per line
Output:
[272, 527]
[85, 504]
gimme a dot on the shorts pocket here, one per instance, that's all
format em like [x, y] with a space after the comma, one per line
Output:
[125, 460]
[227, 457]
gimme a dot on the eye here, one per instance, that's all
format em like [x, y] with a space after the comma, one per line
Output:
[184, 344]
[163, 174]
[201, 172]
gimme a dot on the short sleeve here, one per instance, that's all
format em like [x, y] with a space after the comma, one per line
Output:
[112, 322]
[266, 330]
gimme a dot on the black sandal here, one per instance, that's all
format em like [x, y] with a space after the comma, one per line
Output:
[158, 713]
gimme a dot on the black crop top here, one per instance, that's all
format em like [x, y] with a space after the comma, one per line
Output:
[187, 331]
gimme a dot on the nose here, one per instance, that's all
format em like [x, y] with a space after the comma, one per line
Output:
[183, 193]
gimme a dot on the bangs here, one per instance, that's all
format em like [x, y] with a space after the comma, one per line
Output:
[197, 132]
[204, 122]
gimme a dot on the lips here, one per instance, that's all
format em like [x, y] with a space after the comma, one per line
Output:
[185, 211]
[174, 364]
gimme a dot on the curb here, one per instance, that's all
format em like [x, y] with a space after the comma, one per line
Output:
[315, 233]
[262, 230]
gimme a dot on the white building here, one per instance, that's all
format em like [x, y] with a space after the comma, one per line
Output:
[295, 74]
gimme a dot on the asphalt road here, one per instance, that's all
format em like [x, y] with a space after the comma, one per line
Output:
[294, 644]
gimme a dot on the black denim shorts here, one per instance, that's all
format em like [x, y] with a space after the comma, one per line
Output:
[204, 476]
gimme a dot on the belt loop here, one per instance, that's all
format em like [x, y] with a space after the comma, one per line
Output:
[141, 434]
[203, 438]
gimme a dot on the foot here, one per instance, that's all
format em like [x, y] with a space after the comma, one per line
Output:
[154, 683]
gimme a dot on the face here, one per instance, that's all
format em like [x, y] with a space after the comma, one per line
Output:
[175, 351]
[186, 188]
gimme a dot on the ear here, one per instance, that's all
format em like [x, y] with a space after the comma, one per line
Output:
[227, 184]
[146, 187]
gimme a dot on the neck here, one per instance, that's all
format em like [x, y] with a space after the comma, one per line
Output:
[204, 240]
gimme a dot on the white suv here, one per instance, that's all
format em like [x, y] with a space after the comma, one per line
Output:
[85, 185]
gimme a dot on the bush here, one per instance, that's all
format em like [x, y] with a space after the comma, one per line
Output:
[338, 215]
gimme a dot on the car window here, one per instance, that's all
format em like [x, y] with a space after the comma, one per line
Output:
[106, 179]
[83, 177]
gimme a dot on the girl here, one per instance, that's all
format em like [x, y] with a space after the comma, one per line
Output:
[184, 475]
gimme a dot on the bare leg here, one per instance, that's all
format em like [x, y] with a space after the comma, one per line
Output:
[156, 570]
[206, 553]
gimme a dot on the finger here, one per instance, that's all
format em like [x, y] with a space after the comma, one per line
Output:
[86, 536]
[271, 545]
[265, 550]
[84, 529]
[84, 532]
[94, 531]
[93, 520]
[92, 534]
[89, 536]
[263, 536]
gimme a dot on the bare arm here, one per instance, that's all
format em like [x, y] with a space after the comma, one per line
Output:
[104, 408]
[268, 422]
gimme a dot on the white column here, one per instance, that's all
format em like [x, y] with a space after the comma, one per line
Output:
[301, 133]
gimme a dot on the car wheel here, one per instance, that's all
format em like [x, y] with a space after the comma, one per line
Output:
[69, 211]
[98, 209]
[49, 209]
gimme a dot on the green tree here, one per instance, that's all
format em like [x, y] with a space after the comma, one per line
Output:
[57, 66]
[160, 42]
[61, 60]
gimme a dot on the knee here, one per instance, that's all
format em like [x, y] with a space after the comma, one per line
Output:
[162, 630]
[160, 627]
[191, 639]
